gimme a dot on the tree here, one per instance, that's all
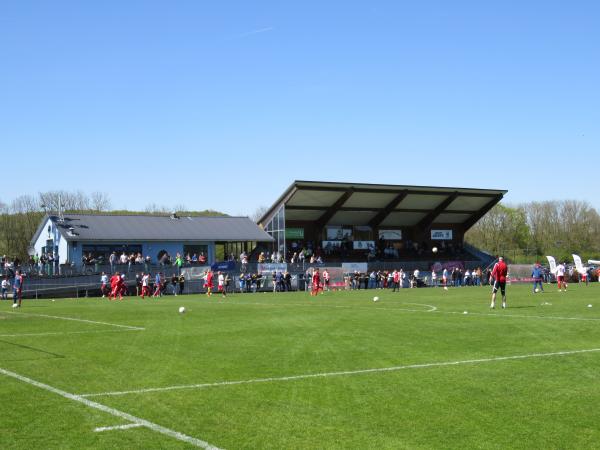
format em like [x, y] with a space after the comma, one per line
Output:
[259, 213]
[501, 229]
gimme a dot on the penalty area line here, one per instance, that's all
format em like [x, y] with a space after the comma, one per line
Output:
[61, 333]
[74, 319]
[342, 373]
[112, 411]
[118, 427]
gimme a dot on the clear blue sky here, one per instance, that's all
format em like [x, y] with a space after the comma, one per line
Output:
[222, 104]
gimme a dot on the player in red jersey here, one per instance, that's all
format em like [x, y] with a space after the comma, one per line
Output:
[499, 273]
[114, 285]
[209, 282]
[316, 283]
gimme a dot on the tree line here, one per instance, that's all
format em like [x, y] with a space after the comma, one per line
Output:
[20, 218]
[530, 231]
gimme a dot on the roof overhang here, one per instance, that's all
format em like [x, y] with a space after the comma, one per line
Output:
[382, 205]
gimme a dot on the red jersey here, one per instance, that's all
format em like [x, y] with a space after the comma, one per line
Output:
[500, 271]
[114, 280]
[209, 279]
[316, 279]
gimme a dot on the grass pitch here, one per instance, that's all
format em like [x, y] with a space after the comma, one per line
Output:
[420, 368]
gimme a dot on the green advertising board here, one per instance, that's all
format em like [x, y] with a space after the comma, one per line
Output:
[294, 233]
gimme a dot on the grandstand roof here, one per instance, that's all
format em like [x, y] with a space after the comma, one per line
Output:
[106, 227]
[383, 205]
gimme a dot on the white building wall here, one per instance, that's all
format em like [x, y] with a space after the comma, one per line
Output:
[57, 239]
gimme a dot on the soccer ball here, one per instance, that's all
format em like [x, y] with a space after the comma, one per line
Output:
[589, 306]
[434, 249]
[15, 305]
[537, 289]
[375, 299]
[181, 309]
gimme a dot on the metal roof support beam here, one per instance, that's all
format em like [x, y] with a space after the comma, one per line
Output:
[482, 212]
[382, 215]
[429, 218]
[327, 215]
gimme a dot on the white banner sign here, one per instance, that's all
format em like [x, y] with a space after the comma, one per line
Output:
[363, 245]
[329, 245]
[578, 263]
[390, 235]
[351, 267]
[441, 235]
[272, 267]
[338, 233]
[552, 263]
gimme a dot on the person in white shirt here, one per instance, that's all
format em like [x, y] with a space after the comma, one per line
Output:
[104, 284]
[467, 278]
[433, 278]
[5, 286]
[560, 277]
[146, 285]
[325, 280]
[445, 279]
[221, 284]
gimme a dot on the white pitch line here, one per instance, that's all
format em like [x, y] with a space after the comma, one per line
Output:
[118, 427]
[431, 307]
[60, 333]
[524, 316]
[115, 412]
[341, 373]
[76, 320]
[379, 308]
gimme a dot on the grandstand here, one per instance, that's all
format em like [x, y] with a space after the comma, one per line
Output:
[376, 222]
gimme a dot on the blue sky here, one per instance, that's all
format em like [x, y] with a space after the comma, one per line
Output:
[223, 104]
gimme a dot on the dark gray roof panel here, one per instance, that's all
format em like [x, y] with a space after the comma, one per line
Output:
[91, 227]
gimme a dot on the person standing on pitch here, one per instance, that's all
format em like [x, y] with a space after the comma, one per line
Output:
[5, 286]
[560, 277]
[325, 280]
[316, 283]
[536, 274]
[209, 282]
[145, 285]
[499, 273]
[221, 284]
[104, 284]
[18, 289]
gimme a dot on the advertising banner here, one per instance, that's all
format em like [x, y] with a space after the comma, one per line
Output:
[270, 267]
[338, 233]
[441, 235]
[390, 235]
[351, 267]
[294, 233]
[223, 266]
[363, 245]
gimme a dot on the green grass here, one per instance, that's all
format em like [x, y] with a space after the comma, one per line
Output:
[535, 402]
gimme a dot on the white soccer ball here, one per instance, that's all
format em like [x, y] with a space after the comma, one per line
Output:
[465, 312]
[537, 289]
[15, 305]
[445, 288]
[181, 309]
[589, 306]
[434, 249]
[375, 299]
